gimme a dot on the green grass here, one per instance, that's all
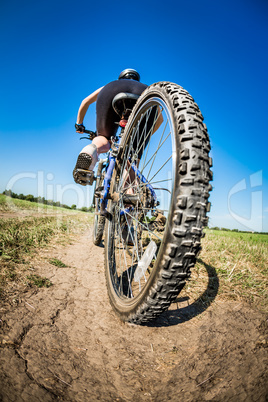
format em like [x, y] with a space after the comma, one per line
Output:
[249, 248]
[234, 263]
[9, 204]
[240, 262]
[18, 237]
[246, 236]
[38, 281]
[57, 263]
[21, 237]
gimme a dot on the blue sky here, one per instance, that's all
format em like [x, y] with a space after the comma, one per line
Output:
[55, 53]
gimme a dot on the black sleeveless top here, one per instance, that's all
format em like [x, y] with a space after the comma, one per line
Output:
[106, 116]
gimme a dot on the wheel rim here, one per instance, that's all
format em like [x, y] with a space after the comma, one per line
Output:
[96, 218]
[133, 230]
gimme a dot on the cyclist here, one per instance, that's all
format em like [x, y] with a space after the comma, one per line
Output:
[128, 81]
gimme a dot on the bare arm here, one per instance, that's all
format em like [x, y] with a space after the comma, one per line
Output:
[85, 104]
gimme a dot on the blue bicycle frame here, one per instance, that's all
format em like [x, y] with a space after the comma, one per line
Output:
[108, 177]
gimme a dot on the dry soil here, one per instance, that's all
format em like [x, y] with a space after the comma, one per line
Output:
[65, 343]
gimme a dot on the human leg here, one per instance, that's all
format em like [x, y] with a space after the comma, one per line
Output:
[87, 159]
[102, 143]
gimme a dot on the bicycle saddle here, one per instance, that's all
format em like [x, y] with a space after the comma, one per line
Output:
[124, 102]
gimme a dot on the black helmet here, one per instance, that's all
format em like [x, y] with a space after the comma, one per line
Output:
[129, 74]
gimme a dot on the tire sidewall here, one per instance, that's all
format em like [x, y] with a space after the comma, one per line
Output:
[126, 309]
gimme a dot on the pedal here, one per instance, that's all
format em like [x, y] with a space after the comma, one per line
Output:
[98, 194]
[84, 177]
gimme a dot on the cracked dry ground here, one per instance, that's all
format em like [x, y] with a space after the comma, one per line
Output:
[65, 343]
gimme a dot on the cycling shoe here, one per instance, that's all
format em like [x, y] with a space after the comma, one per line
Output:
[81, 173]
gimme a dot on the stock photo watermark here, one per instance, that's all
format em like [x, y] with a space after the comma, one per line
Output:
[252, 191]
[247, 212]
[45, 189]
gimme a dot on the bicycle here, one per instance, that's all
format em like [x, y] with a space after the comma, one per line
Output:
[151, 196]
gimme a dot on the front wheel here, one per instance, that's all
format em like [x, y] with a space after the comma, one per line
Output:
[161, 187]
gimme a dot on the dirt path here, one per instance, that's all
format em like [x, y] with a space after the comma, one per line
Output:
[65, 343]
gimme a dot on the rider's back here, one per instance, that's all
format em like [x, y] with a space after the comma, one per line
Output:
[106, 116]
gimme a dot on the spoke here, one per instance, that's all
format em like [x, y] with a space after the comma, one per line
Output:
[161, 167]
[141, 142]
[154, 182]
[140, 223]
[124, 168]
[159, 146]
[155, 152]
[136, 248]
[152, 125]
[140, 184]
[150, 236]
[149, 135]
[129, 229]
[126, 265]
[142, 136]
[146, 116]
[119, 253]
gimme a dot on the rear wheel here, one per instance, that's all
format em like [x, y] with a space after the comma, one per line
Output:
[99, 221]
[154, 235]
[99, 225]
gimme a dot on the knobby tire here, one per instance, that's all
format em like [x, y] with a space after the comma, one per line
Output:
[99, 221]
[186, 216]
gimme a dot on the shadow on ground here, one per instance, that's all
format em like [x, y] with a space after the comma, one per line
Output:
[181, 315]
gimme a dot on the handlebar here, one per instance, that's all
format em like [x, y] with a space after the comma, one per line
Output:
[91, 135]
[80, 129]
[90, 132]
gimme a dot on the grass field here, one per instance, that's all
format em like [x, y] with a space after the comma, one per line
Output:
[25, 227]
[8, 204]
[236, 264]
[232, 265]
